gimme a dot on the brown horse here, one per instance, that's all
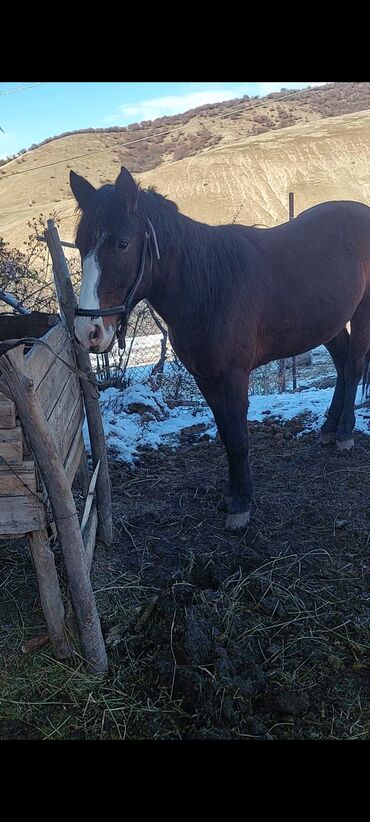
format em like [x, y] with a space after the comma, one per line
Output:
[234, 297]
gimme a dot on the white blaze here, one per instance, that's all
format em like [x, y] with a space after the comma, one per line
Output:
[90, 278]
[83, 326]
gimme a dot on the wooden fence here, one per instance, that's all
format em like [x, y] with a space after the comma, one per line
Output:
[44, 396]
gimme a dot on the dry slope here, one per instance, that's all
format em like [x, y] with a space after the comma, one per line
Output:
[321, 160]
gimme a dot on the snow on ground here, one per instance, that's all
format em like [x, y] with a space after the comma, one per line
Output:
[140, 416]
[314, 400]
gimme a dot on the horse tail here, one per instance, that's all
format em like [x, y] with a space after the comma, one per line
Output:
[366, 377]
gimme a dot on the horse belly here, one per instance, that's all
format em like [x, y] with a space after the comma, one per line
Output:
[184, 354]
[311, 317]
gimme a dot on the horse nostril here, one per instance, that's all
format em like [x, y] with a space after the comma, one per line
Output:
[94, 335]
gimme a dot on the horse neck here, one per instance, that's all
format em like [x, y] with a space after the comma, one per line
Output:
[168, 292]
[167, 288]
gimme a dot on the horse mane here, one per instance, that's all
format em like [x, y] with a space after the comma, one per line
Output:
[213, 260]
[103, 215]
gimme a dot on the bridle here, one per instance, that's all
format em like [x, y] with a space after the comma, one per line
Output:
[124, 309]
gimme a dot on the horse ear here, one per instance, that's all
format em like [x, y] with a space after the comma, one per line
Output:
[82, 189]
[127, 189]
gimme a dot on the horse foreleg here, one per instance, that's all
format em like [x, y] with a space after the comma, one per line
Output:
[213, 394]
[338, 349]
[235, 394]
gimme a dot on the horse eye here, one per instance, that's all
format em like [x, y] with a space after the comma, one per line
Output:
[122, 244]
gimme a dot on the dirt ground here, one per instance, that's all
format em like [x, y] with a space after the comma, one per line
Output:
[260, 635]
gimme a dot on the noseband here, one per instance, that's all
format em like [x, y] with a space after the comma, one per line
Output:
[124, 309]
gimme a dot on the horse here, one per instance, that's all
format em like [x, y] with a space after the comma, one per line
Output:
[234, 297]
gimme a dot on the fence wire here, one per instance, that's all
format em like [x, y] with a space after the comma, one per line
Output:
[149, 357]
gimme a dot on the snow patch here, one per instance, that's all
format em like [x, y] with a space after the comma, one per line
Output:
[126, 429]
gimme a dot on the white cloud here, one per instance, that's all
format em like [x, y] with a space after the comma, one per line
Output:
[178, 103]
[172, 104]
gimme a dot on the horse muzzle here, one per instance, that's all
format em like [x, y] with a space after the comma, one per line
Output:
[92, 335]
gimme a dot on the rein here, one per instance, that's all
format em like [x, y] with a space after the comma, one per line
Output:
[125, 307]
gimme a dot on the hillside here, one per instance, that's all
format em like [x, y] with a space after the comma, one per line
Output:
[215, 161]
[326, 160]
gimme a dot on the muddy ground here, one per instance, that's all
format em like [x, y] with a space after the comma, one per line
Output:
[260, 635]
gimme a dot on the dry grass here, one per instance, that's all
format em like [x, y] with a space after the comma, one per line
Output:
[318, 159]
[212, 635]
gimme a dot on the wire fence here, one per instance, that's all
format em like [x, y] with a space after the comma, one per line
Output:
[149, 357]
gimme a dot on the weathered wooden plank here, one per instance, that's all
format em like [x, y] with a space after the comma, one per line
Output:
[40, 359]
[19, 480]
[89, 539]
[89, 498]
[61, 412]
[50, 595]
[54, 381]
[67, 303]
[74, 426]
[66, 413]
[18, 515]
[11, 444]
[63, 507]
[74, 456]
[7, 412]
[72, 448]
[82, 474]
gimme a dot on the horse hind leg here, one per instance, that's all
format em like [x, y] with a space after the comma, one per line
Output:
[355, 366]
[338, 349]
[366, 377]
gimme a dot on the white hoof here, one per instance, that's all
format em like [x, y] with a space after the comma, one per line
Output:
[327, 438]
[345, 445]
[235, 522]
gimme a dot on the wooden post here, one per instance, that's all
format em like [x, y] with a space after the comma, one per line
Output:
[50, 595]
[291, 217]
[107, 366]
[89, 499]
[63, 507]
[82, 473]
[281, 375]
[68, 302]
[89, 537]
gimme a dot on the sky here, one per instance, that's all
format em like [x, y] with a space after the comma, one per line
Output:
[30, 112]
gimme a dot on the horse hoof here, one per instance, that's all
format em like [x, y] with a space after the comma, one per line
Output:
[327, 438]
[235, 522]
[345, 445]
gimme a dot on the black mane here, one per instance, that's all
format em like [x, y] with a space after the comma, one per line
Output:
[102, 216]
[201, 251]
[212, 259]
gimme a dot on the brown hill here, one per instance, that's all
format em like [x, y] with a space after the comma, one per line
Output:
[239, 156]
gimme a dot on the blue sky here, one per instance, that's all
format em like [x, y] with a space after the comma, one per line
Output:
[30, 115]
